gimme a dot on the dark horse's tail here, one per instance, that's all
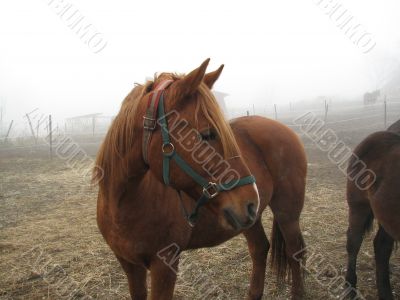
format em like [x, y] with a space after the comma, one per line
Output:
[279, 257]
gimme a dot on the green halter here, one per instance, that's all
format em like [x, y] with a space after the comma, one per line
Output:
[210, 189]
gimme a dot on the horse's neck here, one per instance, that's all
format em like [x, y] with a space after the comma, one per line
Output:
[132, 169]
[155, 200]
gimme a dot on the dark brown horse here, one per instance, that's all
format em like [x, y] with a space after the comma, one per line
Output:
[395, 127]
[139, 215]
[376, 195]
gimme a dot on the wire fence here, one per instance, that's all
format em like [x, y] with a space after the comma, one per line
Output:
[339, 116]
[332, 113]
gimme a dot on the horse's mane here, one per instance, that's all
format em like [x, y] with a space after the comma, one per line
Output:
[112, 162]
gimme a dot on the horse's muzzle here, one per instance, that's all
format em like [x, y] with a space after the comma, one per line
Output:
[241, 223]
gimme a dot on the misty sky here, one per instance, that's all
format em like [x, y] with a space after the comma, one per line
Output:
[273, 51]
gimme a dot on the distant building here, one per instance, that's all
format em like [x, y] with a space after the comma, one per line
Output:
[371, 98]
[88, 124]
[221, 100]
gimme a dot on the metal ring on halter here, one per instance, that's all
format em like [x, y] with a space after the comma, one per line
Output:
[166, 151]
[191, 223]
[211, 190]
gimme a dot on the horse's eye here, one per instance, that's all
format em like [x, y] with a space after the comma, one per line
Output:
[208, 135]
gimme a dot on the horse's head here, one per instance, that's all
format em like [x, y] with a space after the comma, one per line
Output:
[192, 148]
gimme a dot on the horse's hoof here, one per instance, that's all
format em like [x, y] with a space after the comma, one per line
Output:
[254, 297]
[298, 296]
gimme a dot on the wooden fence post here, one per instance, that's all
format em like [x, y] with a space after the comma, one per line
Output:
[93, 124]
[38, 125]
[31, 127]
[326, 111]
[385, 112]
[50, 137]
[8, 131]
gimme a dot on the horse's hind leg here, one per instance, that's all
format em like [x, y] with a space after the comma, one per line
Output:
[383, 246]
[258, 244]
[360, 220]
[136, 279]
[287, 240]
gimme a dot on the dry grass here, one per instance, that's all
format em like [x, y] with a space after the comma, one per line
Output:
[50, 246]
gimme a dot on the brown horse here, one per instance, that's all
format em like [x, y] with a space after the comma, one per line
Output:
[376, 195]
[139, 215]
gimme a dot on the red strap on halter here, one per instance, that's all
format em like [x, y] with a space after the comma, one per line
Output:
[150, 118]
[163, 85]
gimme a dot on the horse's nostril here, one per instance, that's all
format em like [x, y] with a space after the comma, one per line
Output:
[251, 210]
[241, 223]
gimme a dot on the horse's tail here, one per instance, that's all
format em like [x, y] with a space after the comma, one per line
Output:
[279, 258]
[369, 224]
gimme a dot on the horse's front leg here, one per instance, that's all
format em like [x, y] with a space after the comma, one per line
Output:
[163, 278]
[136, 279]
[258, 247]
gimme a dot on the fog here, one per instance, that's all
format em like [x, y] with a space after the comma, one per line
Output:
[273, 51]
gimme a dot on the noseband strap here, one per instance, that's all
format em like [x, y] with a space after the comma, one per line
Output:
[209, 189]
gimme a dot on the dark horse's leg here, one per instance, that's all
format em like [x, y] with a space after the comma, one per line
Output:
[136, 279]
[163, 278]
[360, 220]
[383, 245]
[258, 247]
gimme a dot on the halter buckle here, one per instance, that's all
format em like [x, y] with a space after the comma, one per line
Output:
[168, 149]
[149, 123]
[211, 190]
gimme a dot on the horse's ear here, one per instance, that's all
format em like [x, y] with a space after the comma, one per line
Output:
[189, 84]
[212, 77]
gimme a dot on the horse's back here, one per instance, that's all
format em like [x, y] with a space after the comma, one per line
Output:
[375, 146]
[373, 153]
[275, 155]
[395, 127]
[280, 144]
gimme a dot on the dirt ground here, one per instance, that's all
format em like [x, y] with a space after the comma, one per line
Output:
[50, 247]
